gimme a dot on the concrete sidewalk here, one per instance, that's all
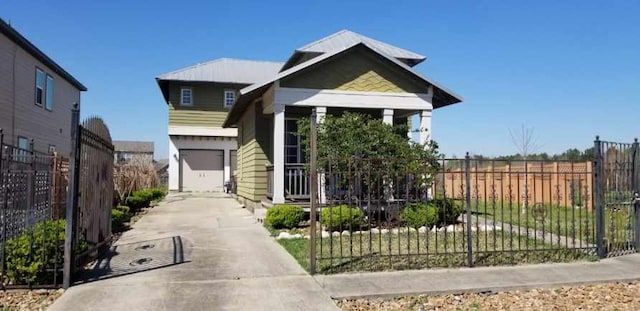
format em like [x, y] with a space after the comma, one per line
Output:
[489, 279]
[197, 253]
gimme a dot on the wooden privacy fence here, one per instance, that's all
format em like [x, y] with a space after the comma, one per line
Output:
[563, 182]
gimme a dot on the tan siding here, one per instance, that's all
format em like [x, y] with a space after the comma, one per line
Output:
[31, 121]
[208, 106]
[358, 70]
[252, 156]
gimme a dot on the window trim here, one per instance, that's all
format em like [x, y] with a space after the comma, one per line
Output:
[224, 98]
[35, 94]
[182, 103]
[48, 105]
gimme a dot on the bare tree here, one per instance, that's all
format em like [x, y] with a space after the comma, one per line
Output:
[134, 173]
[526, 143]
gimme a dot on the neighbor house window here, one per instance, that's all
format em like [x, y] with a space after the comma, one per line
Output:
[48, 98]
[186, 97]
[23, 147]
[229, 98]
[39, 86]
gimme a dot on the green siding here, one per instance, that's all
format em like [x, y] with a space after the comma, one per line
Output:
[208, 106]
[254, 147]
[356, 70]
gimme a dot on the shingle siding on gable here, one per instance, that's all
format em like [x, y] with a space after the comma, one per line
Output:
[31, 121]
[356, 70]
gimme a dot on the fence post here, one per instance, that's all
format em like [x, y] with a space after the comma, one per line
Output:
[636, 191]
[467, 195]
[4, 207]
[598, 196]
[314, 194]
[72, 198]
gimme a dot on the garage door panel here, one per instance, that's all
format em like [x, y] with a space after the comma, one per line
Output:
[202, 170]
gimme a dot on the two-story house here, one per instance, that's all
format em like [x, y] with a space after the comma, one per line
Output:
[36, 95]
[202, 154]
[127, 151]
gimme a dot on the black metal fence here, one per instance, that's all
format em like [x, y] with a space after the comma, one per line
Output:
[32, 232]
[381, 214]
[617, 184]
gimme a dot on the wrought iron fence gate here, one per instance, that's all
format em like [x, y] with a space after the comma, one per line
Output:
[90, 193]
[617, 187]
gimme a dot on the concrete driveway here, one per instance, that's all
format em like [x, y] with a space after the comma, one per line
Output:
[197, 253]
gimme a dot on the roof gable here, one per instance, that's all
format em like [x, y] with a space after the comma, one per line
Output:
[346, 38]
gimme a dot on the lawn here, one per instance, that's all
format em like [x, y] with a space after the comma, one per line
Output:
[413, 250]
[577, 224]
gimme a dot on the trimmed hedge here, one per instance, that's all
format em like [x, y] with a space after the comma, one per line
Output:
[448, 210]
[341, 217]
[119, 215]
[416, 215]
[284, 216]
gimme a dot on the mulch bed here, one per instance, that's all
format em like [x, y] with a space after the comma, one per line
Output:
[39, 299]
[608, 296]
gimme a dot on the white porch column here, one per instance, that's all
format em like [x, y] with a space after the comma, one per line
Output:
[410, 129]
[387, 116]
[227, 165]
[425, 126]
[321, 113]
[278, 154]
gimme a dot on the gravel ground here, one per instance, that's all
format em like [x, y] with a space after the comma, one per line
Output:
[28, 300]
[610, 296]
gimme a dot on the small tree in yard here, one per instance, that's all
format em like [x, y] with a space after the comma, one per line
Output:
[136, 174]
[357, 141]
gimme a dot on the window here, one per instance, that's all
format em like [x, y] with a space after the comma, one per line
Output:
[39, 86]
[48, 100]
[186, 97]
[52, 148]
[229, 98]
[293, 152]
[21, 154]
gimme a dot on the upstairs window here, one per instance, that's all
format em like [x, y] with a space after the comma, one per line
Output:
[39, 86]
[186, 97]
[229, 98]
[48, 102]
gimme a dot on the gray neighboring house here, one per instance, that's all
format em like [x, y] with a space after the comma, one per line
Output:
[36, 95]
[126, 151]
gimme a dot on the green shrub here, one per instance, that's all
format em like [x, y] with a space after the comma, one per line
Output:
[38, 249]
[146, 194]
[135, 203]
[341, 217]
[157, 194]
[119, 215]
[448, 210]
[284, 216]
[416, 215]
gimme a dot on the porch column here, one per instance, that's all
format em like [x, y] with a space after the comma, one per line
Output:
[278, 154]
[387, 116]
[321, 112]
[410, 126]
[425, 126]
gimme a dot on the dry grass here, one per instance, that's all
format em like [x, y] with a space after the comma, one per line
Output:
[28, 299]
[610, 296]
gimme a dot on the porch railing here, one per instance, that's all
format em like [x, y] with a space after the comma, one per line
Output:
[296, 181]
[270, 181]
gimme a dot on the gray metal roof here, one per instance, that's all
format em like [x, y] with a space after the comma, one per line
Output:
[346, 38]
[226, 70]
[133, 146]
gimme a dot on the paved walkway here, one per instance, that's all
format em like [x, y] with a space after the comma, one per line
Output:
[197, 253]
[489, 279]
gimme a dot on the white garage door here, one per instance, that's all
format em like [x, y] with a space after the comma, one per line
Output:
[202, 170]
